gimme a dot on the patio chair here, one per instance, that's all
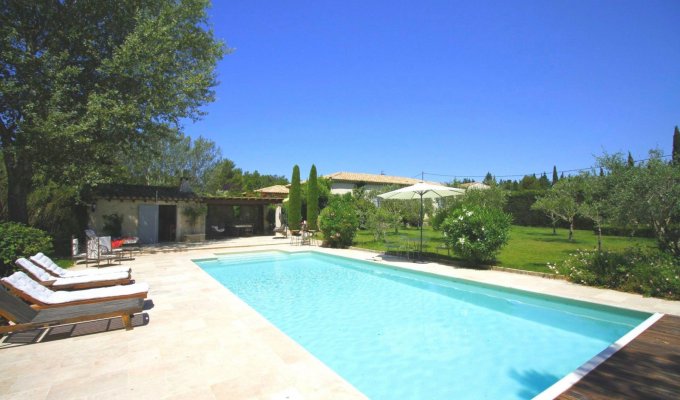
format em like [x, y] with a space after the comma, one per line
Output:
[25, 318]
[40, 297]
[283, 230]
[106, 244]
[73, 283]
[295, 237]
[97, 253]
[51, 267]
[76, 254]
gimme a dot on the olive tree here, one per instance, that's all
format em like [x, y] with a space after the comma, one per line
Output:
[562, 201]
[646, 194]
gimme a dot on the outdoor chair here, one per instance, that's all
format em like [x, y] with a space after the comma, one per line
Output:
[73, 283]
[76, 254]
[97, 253]
[401, 245]
[295, 237]
[283, 230]
[51, 267]
[40, 297]
[25, 318]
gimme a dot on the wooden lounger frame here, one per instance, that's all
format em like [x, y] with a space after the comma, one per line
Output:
[39, 305]
[26, 318]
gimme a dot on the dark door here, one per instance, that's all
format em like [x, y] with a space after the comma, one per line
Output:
[167, 223]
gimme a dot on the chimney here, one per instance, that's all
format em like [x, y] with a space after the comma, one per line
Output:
[184, 185]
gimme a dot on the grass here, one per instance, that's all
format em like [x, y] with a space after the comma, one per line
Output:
[64, 262]
[529, 248]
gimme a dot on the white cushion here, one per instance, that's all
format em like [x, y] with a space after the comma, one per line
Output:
[24, 283]
[46, 262]
[36, 271]
[63, 296]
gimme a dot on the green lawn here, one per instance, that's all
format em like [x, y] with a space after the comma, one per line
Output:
[528, 249]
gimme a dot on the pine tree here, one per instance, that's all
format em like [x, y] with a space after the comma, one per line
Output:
[601, 171]
[555, 178]
[676, 146]
[312, 199]
[294, 201]
[631, 162]
[489, 179]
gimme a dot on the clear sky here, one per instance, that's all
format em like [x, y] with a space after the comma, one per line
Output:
[445, 87]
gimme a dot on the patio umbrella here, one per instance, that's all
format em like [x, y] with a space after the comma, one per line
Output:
[421, 190]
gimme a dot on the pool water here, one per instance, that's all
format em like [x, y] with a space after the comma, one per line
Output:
[397, 334]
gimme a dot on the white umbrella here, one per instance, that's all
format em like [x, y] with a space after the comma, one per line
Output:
[422, 191]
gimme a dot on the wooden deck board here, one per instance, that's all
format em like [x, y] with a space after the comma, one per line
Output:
[647, 368]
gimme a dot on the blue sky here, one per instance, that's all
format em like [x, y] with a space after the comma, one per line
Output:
[445, 87]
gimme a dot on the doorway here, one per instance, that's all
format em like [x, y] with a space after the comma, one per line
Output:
[167, 223]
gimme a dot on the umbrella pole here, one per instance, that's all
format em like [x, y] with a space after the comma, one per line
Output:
[420, 253]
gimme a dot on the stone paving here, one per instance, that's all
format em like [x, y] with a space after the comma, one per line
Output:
[197, 340]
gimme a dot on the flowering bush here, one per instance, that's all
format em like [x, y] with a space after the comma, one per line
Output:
[640, 270]
[475, 233]
[339, 222]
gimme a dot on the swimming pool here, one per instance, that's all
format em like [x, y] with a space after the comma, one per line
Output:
[394, 333]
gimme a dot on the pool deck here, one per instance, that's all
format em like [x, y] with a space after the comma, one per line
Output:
[647, 368]
[197, 340]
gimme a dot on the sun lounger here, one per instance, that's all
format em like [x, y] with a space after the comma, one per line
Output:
[25, 318]
[39, 296]
[75, 282]
[50, 266]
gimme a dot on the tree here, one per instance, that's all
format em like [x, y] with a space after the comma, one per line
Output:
[646, 194]
[676, 146]
[254, 180]
[92, 79]
[631, 161]
[170, 159]
[555, 178]
[312, 199]
[543, 182]
[294, 201]
[594, 205]
[561, 201]
[548, 205]
[489, 179]
[224, 177]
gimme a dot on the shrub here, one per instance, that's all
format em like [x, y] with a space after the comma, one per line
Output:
[641, 270]
[477, 234]
[18, 240]
[339, 222]
[381, 221]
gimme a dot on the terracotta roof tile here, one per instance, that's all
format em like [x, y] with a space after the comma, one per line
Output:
[372, 178]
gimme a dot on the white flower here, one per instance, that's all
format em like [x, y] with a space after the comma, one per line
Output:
[468, 213]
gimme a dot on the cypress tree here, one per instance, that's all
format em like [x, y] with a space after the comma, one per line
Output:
[676, 146]
[631, 162]
[312, 199]
[294, 201]
[555, 178]
[601, 171]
